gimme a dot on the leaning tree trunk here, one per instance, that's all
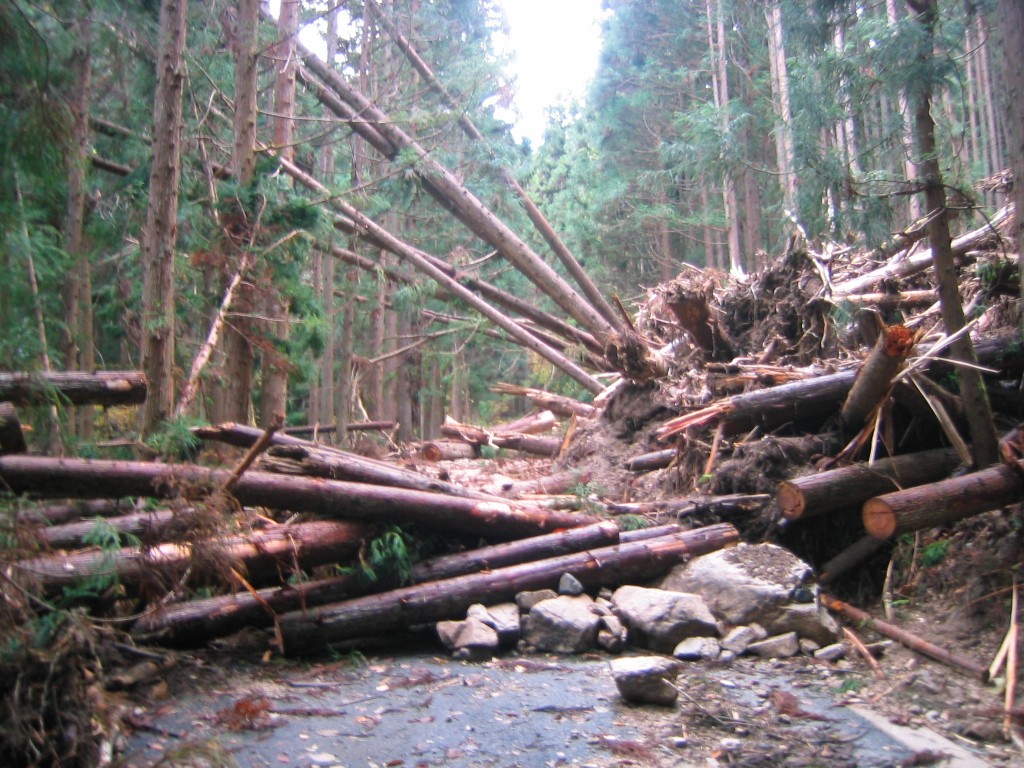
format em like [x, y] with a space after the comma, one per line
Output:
[161, 232]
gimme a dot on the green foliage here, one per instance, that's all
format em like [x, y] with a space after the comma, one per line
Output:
[388, 558]
[174, 441]
[934, 552]
[633, 522]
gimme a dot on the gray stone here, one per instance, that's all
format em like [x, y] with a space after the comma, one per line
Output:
[646, 679]
[832, 652]
[562, 624]
[738, 639]
[807, 620]
[611, 642]
[808, 647]
[470, 638]
[570, 585]
[777, 647]
[526, 600]
[660, 620]
[726, 657]
[741, 584]
[504, 618]
[698, 649]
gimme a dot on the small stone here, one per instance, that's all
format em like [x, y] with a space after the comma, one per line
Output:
[570, 585]
[726, 657]
[526, 600]
[730, 745]
[832, 652]
[646, 679]
[808, 647]
[679, 742]
[777, 647]
[738, 639]
[697, 649]
[611, 642]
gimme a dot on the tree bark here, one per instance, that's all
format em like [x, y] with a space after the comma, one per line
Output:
[261, 556]
[305, 631]
[161, 232]
[557, 404]
[333, 498]
[1011, 26]
[944, 502]
[836, 489]
[99, 388]
[972, 388]
[874, 378]
[196, 621]
[12, 439]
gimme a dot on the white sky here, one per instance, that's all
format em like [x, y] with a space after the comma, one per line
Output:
[556, 44]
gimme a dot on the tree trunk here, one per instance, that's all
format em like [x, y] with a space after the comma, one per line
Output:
[1011, 25]
[836, 489]
[874, 378]
[785, 160]
[944, 502]
[99, 388]
[972, 387]
[305, 631]
[12, 440]
[161, 232]
[196, 621]
[261, 556]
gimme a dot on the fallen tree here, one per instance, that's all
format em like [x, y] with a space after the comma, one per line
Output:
[306, 631]
[74, 387]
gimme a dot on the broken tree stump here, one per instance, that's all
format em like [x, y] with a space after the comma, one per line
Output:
[259, 555]
[874, 378]
[197, 621]
[99, 388]
[500, 519]
[835, 489]
[946, 501]
[305, 631]
[12, 439]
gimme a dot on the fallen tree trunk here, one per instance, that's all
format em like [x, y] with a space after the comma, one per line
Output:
[647, 462]
[100, 388]
[260, 556]
[562, 482]
[448, 450]
[693, 505]
[324, 461]
[196, 621]
[539, 445]
[944, 502]
[58, 514]
[874, 378]
[307, 631]
[848, 486]
[557, 404]
[531, 424]
[148, 526]
[804, 402]
[356, 426]
[498, 519]
[12, 439]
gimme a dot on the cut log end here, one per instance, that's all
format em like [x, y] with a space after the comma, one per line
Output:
[880, 518]
[791, 501]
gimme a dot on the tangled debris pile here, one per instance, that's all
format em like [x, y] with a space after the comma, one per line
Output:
[757, 403]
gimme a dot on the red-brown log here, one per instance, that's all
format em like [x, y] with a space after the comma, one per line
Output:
[562, 482]
[12, 439]
[875, 376]
[835, 489]
[332, 498]
[530, 424]
[944, 502]
[57, 514]
[149, 526]
[304, 631]
[261, 555]
[197, 621]
[448, 450]
[328, 429]
[99, 388]
[849, 558]
[647, 462]
[910, 640]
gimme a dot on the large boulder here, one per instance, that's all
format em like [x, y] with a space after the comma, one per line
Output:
[646, 679]
[659, 620]
[563, 624]
[742, 584]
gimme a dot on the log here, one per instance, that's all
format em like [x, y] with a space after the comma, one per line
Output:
[196, 621]
[538, 445]
[99, 388]
[693, 505]
[12, 439]
[448, 450]
[262, 555]
[305, 631]
[356, 426]
[836, 489]
[58, 514]
[324, 461]
[647, 462]
[804, 402]
[557, 404]
[531, 424]
[149, 526]
[944, 502]
[849, 558]
[911, 641]
[875, 377]
[561, 482]
[499, 519]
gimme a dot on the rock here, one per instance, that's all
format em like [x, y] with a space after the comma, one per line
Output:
[807, 620]
[697, 649]
[612, 635]
[526, 600]
[570, 585]
[777, 647]
[741, 584]
[808, 647]
[738, 639]
[726, 657]
[470, 638]
[646, 679]
[562, 624]
[832, 652]
[660, 620]
[504, 619]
